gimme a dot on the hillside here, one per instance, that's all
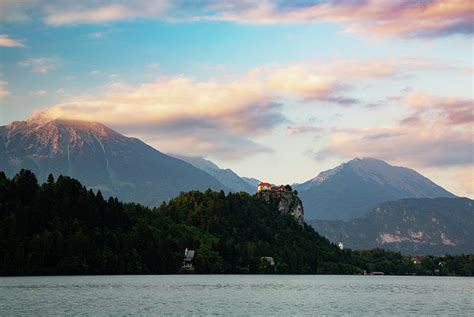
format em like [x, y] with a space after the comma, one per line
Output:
[62, 228]
[411, 226]
[100, 158]
[352, 188]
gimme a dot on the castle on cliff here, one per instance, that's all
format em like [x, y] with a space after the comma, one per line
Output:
[262, 186]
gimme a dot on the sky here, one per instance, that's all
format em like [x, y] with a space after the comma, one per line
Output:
[276, 90]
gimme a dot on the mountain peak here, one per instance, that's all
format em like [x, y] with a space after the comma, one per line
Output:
[98, 156]
[363, 166]
[40, 118]
[354, 186]
[45, 118]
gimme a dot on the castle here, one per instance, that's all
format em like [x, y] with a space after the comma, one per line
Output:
[262, 186]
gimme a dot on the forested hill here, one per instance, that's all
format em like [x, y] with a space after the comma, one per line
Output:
[60, 227]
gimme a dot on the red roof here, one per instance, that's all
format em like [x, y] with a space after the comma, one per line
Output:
[264, 184]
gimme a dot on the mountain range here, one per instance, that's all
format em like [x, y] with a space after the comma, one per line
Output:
[100, 158]
[126, 167]
[227, 177]
[358, 200]
[414, 226]
[350, 189]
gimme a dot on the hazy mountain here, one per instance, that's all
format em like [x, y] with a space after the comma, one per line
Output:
[100, 158]
[352, 188]
[413, 226]
[253, 182]
[226, 176]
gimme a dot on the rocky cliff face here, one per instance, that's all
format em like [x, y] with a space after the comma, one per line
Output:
[286, 201]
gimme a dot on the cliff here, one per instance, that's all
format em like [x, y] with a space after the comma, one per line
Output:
[287, 202]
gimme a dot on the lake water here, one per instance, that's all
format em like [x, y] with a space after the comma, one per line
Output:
[240, 295]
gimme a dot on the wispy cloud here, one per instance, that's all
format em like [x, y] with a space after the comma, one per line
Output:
[455, 110]
[6, 41]
[429, 144]
[102, 11]
[39, 93]
[297, 130]
[41, 64]
[409, 19]
[213, 114]
[95, 35]
[436, 133]
[3, 90]
[428, 18]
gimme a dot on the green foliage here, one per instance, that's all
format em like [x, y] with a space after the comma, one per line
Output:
[61, 227]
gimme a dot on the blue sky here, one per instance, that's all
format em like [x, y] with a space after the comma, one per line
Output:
[304, 86]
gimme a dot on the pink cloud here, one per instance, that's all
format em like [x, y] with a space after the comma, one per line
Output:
[217, 113]
[41, 64]
[427, 145]
[457, 111]
[101, 11]
[3, 90]
[7, 41]
[437, 132]
[426, 18]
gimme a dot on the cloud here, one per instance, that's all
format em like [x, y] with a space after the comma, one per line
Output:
[6, 41]
[17, 10]
[39, 93]
[102, 11]
[409, 19]
[181, 115]
[427, 18]
[428, 145]
[455, 110]
[3, 90]
[96, 35]
[302, 130]
[436, 133]
[216, 115]
[41, 64]
[154, 66]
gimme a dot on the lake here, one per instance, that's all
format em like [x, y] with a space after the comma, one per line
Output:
[242, 295]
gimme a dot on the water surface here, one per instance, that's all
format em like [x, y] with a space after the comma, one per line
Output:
[237, 295]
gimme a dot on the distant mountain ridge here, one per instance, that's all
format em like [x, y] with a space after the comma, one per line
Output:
[100, 158]
[227, 176]
[350, 189]
[415, 226]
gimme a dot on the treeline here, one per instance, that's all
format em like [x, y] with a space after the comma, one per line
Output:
[60, 227]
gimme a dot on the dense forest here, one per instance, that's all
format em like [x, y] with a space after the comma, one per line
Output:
[60, 227]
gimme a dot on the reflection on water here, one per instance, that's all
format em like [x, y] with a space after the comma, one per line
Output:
[236, 295]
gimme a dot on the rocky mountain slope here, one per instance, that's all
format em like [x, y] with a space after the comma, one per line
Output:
[100, 158]
[226, 176]
[412, 226]
[350, 189]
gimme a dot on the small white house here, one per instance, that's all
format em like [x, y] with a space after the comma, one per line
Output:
[341, 245]
[188, 259]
